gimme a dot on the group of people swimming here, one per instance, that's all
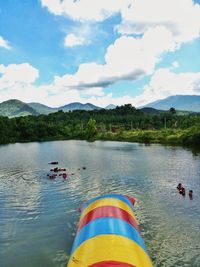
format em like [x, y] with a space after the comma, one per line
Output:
[181, 190]
[55, 171]
[54, 175]
[60, 171]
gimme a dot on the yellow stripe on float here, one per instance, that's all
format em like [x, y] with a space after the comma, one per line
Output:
[109, 247]
[108, 202]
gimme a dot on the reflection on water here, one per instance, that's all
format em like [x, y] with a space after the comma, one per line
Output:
[38, 216]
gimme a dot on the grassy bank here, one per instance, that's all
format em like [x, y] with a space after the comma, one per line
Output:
[190, 136]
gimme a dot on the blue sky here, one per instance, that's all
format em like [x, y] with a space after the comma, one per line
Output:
[99, 51]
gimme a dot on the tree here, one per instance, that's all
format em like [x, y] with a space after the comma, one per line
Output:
[91, 129]
[172, 111]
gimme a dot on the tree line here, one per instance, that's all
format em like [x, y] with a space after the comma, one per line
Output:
[81, 124]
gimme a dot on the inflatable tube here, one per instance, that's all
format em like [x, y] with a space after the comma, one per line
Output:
[108, 235]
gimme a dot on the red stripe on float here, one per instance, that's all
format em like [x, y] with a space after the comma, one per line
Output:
[107, 211]
[111, 264]
[131, 199]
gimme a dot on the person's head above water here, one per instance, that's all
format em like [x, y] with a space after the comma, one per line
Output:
[179, 186]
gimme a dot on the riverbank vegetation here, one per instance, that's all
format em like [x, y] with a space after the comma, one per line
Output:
[124, 123]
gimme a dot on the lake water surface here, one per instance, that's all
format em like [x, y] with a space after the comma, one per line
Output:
[38, 216]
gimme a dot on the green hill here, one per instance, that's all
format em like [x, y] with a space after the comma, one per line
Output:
[42, 109]
[151, 111]
[16, 108]
[78, 106]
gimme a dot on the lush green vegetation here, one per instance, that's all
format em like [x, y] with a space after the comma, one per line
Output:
[123, 123]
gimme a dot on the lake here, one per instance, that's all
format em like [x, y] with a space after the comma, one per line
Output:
[38, 216]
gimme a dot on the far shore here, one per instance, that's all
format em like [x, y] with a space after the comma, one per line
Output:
[175, 137]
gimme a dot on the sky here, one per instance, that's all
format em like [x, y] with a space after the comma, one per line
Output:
[103, 52]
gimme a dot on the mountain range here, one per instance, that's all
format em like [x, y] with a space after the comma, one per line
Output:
[179, 102]
[16, 108]
[42, 109]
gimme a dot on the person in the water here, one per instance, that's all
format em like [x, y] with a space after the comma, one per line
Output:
[182, 191]
[190, 194]
[179, 186]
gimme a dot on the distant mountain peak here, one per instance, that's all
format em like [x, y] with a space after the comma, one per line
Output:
[78, 106]
[16, 108]
[179, 102]
[110, 106]
[10, 101]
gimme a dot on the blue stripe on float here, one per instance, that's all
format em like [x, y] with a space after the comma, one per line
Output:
[105, 226]
[120, 197]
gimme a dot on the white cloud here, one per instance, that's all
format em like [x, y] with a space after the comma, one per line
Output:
[54, 6]
[17, 73]
[73, 40]
[16, 81]
[97, 91]
[109, 99]
[86, 10]
[4, 44]
[164, 83]
[175, 64]
[180, 17]
[80, 35]
[56, 98]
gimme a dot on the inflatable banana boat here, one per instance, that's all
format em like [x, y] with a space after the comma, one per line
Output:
[108, 235]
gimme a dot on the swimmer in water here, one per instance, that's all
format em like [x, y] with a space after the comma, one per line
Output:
[190, 194]
[179, 186]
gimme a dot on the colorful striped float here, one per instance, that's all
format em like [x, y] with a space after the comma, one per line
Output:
[108, 235]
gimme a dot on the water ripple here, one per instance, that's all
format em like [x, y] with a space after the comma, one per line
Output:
[39, 216]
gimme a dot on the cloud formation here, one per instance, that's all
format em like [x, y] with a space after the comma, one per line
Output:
[128, 58]
[72, 40]
[18, 73]
[162, 26]
[165, 82]
[180, 17]
[86, 10]
[18, 82]
[4, 44]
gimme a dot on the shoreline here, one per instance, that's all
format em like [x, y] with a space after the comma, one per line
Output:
[172, 137]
